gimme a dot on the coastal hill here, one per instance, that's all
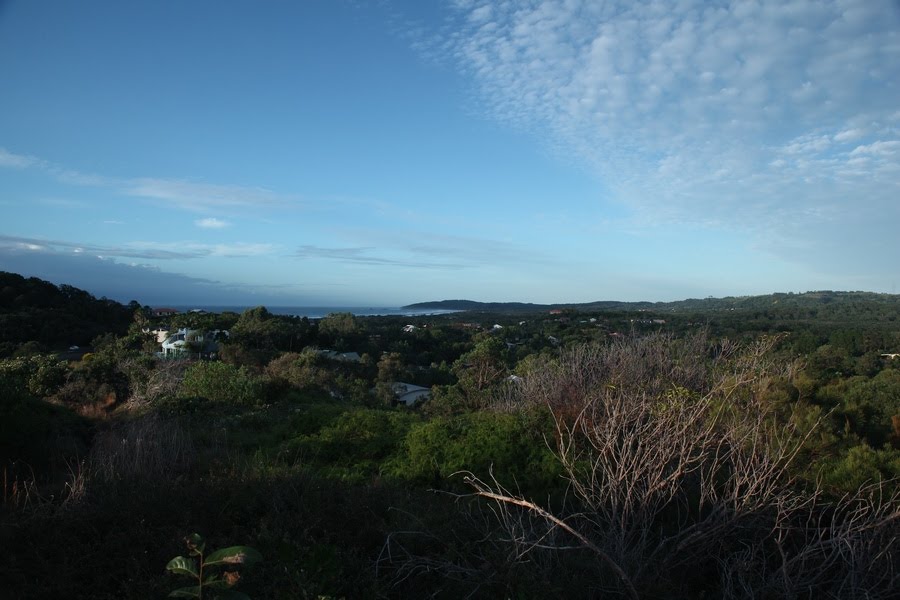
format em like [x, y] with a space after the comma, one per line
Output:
[813, 301]
[35, 310]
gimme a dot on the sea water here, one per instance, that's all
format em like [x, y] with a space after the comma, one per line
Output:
[317, 312]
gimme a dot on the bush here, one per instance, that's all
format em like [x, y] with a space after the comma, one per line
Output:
[301, 371]
[512, 446]
[221, 382]
[41, 374]
[862, 465]
[357, 444]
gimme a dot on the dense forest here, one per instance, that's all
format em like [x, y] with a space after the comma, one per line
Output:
[718, 448]
[49, 316]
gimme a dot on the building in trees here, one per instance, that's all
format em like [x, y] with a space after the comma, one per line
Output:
[189, 341]
[409, 394]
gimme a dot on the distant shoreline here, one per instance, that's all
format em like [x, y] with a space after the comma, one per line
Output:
[318, 312]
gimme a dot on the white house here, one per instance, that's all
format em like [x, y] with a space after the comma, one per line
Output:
[409, 394]
[189, 341]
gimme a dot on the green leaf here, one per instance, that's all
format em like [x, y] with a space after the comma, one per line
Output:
[216, 584]
[233, 555]
[183, 566]
[195, 544]
[186, 592]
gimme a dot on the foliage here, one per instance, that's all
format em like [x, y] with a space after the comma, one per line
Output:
[511, 446]
[221, 382]
[870, 404]
[40, 374]
[861, 465]
[357, 444]
[340, 330]
[258, 335]
[480, 369]
[33, 309]
[304, 370]
[220, 585]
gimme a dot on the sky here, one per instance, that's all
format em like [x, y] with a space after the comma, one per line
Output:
[334, 152]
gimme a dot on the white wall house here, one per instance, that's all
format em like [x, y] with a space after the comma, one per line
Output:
[189, 341]
[409, 394]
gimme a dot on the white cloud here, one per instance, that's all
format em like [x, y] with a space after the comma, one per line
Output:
[879, 148]
[142, 249]
[729, 112]
[370, 257]
[848, 135]
[429, 250]
[191, 195]
[16, 161]
[184, 194]
[211, 223]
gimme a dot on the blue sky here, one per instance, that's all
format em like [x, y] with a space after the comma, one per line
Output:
[383, 153]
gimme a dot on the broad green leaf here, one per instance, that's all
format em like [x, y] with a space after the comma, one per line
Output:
[186, 592]
[216, 584]
[183, 566]
[233, 555]
[195, 543]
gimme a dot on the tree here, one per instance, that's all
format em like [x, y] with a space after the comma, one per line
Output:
[303, 371]
[340, 330]
[481, 368]
[390, 371]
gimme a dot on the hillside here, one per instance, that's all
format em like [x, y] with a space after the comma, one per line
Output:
[815, 300]
[34, 310]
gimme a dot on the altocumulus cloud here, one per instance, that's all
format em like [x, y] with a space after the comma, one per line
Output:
[211, 223]
[429, 251]
[780, 119]
[138, 249]
[179, 193]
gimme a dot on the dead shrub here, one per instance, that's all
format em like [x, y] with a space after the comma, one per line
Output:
[680, 479]
[146, 447]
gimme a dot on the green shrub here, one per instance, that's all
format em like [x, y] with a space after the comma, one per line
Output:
[861, 465]
[357, 444]
[311, 419]
[512, 446]
[41, 374]
[221, 382]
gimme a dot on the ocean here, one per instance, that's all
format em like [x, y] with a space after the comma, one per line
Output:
[317, 312]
